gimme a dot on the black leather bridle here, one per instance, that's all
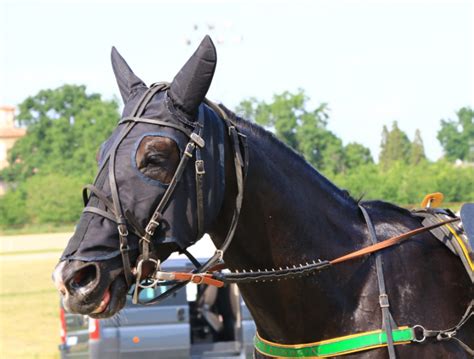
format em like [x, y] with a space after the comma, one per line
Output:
[126, 221]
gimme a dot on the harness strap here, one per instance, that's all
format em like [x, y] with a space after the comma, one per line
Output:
[193, 259]
[199, 179]
[152, 121]
[450, 334]
[359, 342]
[157, 214]
[118, 211]
[389, 242]
[120, 218]
[334, 347]
[387, 320]
[200, 172]
[250, 276]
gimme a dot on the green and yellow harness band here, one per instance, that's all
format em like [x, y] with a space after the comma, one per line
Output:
[332, 347]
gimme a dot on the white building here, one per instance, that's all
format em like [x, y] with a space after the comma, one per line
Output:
[9, 134]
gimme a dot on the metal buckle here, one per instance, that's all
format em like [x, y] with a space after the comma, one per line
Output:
[220, 254]
[199, 164]
[189, 149]
[200, 276]
[446, 335]
[153, 277]
[383, 301]
[151, 227]
[122, 229]
[423, 334]
[164, 276]
[198, 140]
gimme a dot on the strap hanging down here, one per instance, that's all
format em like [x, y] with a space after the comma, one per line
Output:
[387, 320]
[239, 145]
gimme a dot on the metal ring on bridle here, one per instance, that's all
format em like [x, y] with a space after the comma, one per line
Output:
[423, 333]
[152, 277]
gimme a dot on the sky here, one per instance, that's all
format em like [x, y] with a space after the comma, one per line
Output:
[373, 62]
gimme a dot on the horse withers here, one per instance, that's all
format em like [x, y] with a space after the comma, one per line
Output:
[177, 166]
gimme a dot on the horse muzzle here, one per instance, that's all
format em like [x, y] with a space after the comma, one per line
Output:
[91, 288]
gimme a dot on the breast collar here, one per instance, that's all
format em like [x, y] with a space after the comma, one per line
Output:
[126, 221]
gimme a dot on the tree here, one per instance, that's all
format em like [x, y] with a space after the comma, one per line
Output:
[457, 136]
[356, 155]
[302, 129]
[65, 127]
[53, 198]
[395, 146]
[417, 153]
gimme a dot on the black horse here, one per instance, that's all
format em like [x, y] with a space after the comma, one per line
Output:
[290, 214]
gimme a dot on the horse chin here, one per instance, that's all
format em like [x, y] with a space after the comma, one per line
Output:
[112, 301]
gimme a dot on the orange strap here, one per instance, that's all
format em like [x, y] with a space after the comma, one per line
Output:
[432, 200]
[198, 278]
[206, 278]
[389, 242]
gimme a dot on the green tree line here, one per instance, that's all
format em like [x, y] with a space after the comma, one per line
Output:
[48, 167]
[66, 126]
[403, 173]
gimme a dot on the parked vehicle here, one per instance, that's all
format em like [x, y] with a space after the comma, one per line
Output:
[196, 322]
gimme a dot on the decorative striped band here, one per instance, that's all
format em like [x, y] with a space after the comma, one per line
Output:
[332, 347]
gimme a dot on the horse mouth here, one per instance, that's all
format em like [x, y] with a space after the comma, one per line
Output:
[112, 300]
[104, 303]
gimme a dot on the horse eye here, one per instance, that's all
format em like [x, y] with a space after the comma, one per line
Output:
[155, 158]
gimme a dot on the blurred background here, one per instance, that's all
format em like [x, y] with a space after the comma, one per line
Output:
[377, 95]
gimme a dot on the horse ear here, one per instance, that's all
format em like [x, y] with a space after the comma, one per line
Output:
[190, 85]
[124, 75]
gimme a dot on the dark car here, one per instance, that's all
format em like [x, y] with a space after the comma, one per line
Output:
[197, 321]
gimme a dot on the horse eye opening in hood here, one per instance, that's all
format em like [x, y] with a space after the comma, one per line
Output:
[157, 157]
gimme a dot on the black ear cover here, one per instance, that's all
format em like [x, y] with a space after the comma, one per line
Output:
[190, 85]
[127, 81]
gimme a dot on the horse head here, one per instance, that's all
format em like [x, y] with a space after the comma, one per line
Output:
[142, 189]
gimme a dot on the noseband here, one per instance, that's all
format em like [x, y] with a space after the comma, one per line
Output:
[126, 221]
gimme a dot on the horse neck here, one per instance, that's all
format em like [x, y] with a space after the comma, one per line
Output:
[289, 205]
[290, 215]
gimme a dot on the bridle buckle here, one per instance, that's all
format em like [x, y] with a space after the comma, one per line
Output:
[198, 140]
[189, 149]
[199, 164]
[151, 227]
[200, 278]
[122, 229]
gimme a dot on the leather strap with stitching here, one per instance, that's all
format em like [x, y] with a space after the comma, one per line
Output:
[387, 320]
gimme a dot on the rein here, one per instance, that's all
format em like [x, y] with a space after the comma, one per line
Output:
[251, 276]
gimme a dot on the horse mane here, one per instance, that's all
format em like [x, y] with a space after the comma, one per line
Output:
[295, 156]
[386, 206]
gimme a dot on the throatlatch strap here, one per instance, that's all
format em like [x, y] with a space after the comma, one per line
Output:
[200, 172]
[333, 347]
[387, 320]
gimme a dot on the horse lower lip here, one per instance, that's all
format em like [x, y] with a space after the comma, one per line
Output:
[104, 303]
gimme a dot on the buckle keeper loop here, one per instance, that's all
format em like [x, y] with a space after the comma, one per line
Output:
[383, 301]
[189, 149]
[199, 164]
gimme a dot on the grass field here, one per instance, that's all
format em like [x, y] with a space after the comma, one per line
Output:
[36, 228]
[29, 306]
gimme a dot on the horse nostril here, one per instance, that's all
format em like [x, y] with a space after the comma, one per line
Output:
[83, 277]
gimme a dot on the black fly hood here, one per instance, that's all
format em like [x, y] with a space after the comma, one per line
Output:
[127, 211]
[139, 195]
